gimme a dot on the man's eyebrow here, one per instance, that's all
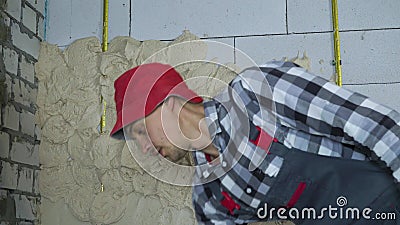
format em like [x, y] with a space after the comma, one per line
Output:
[138, 125]
[128, 132]
[129, 128]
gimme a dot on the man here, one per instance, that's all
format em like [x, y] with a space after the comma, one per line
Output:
[276, 138]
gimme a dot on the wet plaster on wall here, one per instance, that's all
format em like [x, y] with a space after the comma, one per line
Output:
[76, 160]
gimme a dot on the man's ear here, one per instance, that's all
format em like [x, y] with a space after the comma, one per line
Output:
[173, 104]
[170, 103]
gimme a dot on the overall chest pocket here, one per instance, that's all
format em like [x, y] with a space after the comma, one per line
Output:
[296, 184]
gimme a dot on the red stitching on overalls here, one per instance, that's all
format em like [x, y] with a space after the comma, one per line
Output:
[296, 195]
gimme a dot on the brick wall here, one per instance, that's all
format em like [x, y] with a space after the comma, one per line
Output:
[21, 30]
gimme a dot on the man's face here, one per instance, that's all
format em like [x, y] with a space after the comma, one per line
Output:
[158, 133]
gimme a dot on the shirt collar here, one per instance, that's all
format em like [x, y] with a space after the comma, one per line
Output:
[211, 115]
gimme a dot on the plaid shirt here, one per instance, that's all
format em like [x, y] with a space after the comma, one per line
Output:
[307, 113]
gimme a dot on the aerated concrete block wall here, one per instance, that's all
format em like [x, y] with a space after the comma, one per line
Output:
[263, 29]
[21, 30]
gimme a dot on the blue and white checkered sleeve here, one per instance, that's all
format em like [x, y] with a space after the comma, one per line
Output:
[369, 123]
[314, 105]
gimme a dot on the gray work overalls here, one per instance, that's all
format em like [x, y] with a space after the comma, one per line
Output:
[321, 183]
[309, 180]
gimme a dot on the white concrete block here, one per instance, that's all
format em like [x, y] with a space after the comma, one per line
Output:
[32, 2]
[24, 153]
[38, 132]
[4, 144]
[370, 56]
[26, 95]
[118, 19]
[25, 179]
[25, 208]
[6, 19]
[3, 194]
[14, 9]
[221, 48]
[309, 16]
[368, 14]
[59, 22]
[19, 88]
[27, 121]
[9, 86]
[38, 5]
[25, 223]
[386, 94]
[86, 19]
[165, 20]
[29, 95]
[8, 174]
[65, 26]
[318, 48]
[27, 70]
[36, 182]
[29, 18]
[40, 28]
[24, 42]
[10, 58]
[226, 41]
[11, 118]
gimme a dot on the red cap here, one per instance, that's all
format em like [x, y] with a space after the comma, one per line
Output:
[140, 90]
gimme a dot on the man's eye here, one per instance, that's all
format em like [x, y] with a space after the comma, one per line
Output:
[129, 137]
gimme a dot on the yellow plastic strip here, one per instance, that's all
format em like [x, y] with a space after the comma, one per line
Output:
[336, 41]
[105, 25]
[104, 48]
[103, 116]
